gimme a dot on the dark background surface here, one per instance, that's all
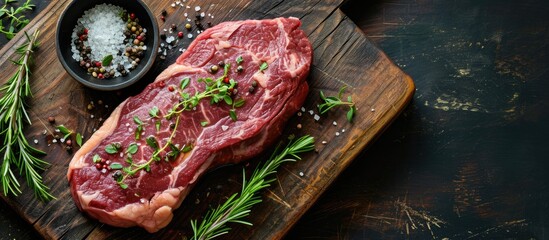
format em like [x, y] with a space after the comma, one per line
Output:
[467, 158]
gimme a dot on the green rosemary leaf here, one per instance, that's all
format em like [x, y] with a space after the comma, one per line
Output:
[16, 151]
[239, 60]
[204, 123]
[238, 206]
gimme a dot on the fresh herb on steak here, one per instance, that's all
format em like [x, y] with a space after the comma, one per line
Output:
[16, 150]
[112, 148]
[331, 102]
[218, 90]
[263, 66]
[236, 208]
[154, 112]
[239, 60]
[139, 128]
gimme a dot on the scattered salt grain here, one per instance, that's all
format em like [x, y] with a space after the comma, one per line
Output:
[54, 141]
[173, 5]
[142, 200]
[57, 130]
[324, 142]
[44, 132]
[103, 170]
[372, 109]
[337, 134]
[189, 35]
[343, 130]
[302, 109]
[127, 124]
[62, 140]
[197, 8]
[185, 14]
[224, 127]
[121, 154]
[311, 112]
[92, 116]
[316, 117]
[202, 14]
[301, 174]
[35, 141]
[107, 106]
[334, 123]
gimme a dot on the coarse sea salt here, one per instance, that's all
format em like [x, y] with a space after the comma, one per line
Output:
[105, 36]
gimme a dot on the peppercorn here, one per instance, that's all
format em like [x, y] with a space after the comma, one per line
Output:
[102, 70]
[171, 88]
[100, 76]
[251, 89]
[239, 69]
[163, 36]
[68, 142]
[188, 26]
[133, 29]
[51, 119]
[140, 38]
[132, 16]
[180, 34]
[214, 68]
[94, 74]
[164, 13]
[98, 64]
[136, 41]
[98, 166]
[117, 174]
[163, 18]
[254, 83]
[221, 63]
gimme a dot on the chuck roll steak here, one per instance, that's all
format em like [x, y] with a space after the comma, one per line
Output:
[203, 136]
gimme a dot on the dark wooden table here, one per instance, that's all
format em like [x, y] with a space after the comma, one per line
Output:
[465, 159]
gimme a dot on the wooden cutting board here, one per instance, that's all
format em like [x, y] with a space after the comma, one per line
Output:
[342, 56]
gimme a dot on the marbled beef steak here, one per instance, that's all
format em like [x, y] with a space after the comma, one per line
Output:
[207, 130]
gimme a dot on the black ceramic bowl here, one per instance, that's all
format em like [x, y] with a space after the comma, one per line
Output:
[67, 22]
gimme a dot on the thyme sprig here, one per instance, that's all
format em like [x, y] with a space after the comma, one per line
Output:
[218, 90]
[238, 206]
[333, 101]
[17, 152]
[16, 17]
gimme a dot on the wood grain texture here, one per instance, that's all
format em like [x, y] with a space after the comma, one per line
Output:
[342, 56]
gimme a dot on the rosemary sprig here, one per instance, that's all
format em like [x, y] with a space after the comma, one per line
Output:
[13, 116]
[16, 17]
[331, 102]
[237, 207]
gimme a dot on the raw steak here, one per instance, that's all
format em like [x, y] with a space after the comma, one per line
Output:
[151, 196]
